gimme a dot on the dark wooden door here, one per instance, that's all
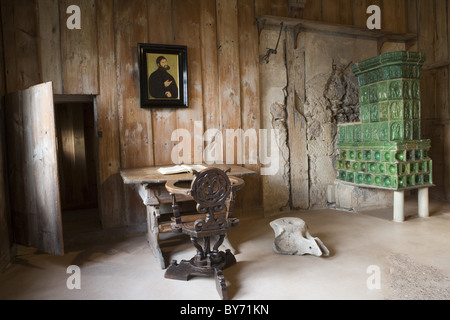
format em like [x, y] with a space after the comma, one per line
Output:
[33, 169]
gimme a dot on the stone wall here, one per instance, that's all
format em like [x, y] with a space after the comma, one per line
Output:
[307, 88]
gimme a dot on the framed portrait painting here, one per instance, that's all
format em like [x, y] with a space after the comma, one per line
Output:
[163, 75]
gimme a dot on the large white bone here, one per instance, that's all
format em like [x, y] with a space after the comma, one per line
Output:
[292, 237]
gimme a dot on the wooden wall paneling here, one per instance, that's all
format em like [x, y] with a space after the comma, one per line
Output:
[212, 116]
[442, 89]
[295, 11]
[447, 125]
[20, 29]
[337, 11]
[229, 73]
[74, 149]
[5, 225]
[394, 19]
[160, 22]
[447, 162]
[249, 67]
[433, 129]
[79, 49]
[160, 31]
[250, 104]
[15, 157]
[110, 184]
[378, 3]
[208, 31]
[428, 94]
[313, 10]
[441, 34]
[8, 45]
[135, 123]
[2, 63]
[330, 11]
[442, 94]
[271, 7]
[441, 54]
[448, 36]
[359, 13]
[49, 43]
[394, 16]
[5, 216]
[79, 162]
[411, 11]
[447, 116]
[263, 7]
[80, 173]
[186, 24]
[229, 82]
[279, 8]
[426, 43]
[345, 12]
[412, 20]
[26, 33]
[66, 152]
[426, 29]
[91, 155]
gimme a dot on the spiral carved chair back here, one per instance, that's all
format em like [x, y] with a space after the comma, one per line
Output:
[213, 191]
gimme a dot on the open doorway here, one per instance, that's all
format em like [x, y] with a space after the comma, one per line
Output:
[77, 165]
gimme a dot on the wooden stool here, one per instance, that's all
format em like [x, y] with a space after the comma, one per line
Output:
[214, 192]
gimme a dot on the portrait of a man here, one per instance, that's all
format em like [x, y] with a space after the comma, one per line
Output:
[162, 82]
[163, 76]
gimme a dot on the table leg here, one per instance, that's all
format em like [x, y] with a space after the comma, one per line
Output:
[423, 203]
[153, 234]
[399, 206]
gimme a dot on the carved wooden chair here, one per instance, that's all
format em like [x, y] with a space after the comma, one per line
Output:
[214, 192]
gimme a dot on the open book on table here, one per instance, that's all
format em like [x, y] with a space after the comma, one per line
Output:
[181, 168]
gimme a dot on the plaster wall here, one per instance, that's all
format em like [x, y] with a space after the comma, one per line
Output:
[273, 85]
[322, 51]
[294, 101]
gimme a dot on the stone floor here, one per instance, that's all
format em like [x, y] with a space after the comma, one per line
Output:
[371, 258]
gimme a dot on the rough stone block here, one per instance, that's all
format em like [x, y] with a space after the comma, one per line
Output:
[355, 199]
[292, 237]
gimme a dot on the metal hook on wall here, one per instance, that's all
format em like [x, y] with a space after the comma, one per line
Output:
[273, 51]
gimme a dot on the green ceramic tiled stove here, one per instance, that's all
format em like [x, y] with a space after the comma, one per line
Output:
[385, 149]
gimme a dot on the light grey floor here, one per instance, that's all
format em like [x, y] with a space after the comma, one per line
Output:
[409, 260]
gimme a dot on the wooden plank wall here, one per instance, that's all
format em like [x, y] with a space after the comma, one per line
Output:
[222, 41]
[76, 160]
[430, 20]
[110, 185]
[5, 219]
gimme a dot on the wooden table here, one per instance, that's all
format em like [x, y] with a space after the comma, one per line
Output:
[151, 187]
